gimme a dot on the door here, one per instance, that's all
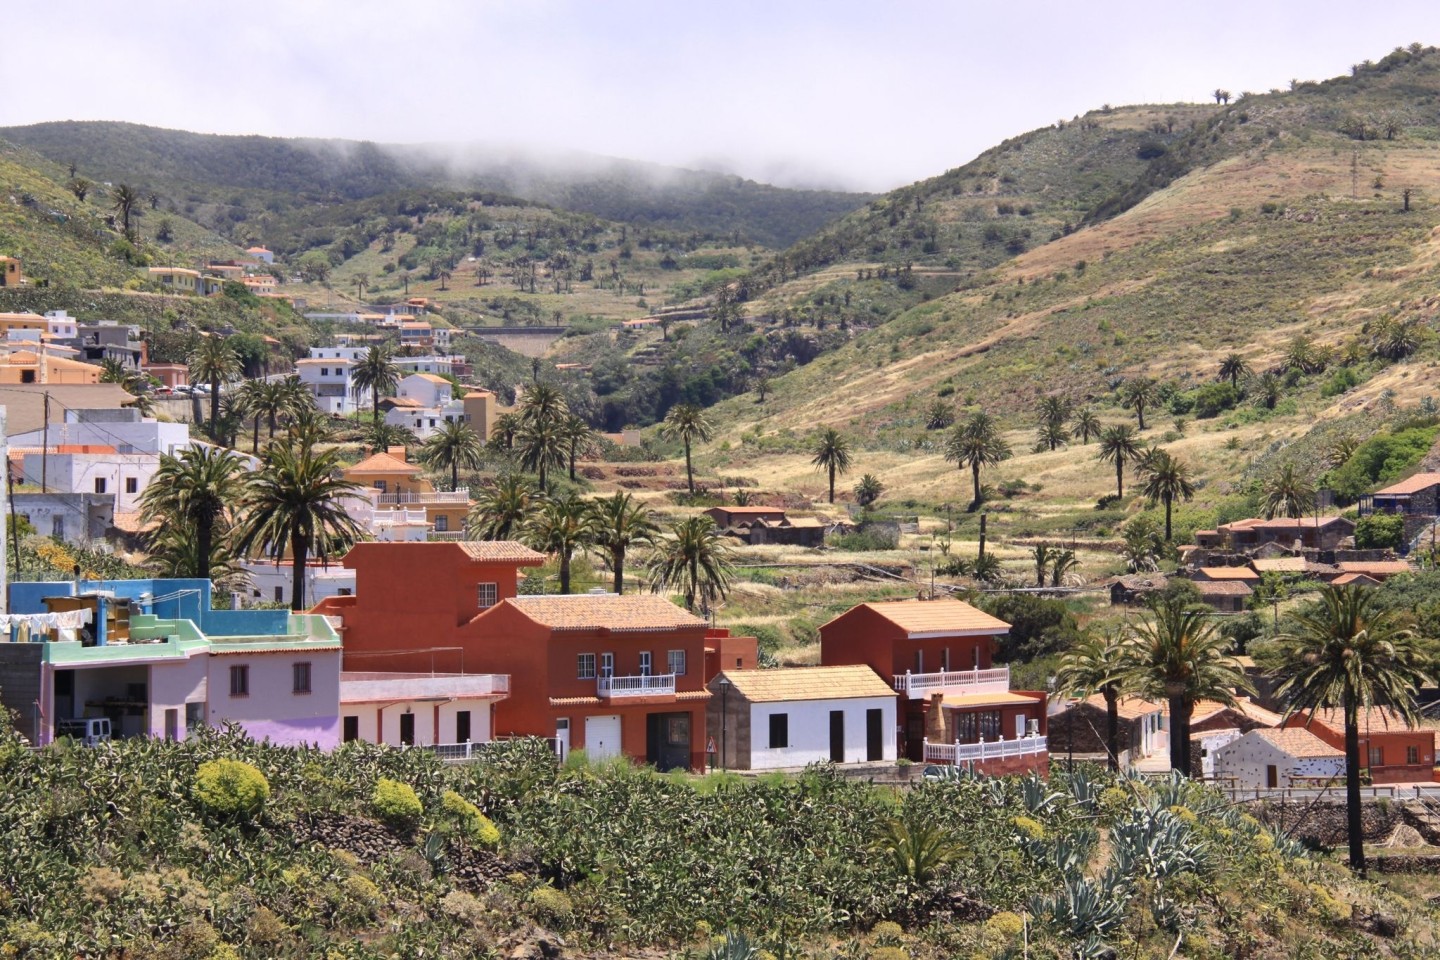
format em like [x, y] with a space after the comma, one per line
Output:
[837, 736]
[602, 737]
[562, 738]
[874, 735]
[172, 724]
[351, 729]
[1272, 776]
[1019, 726]
[462, 726]
[407, 729]
[667, 740]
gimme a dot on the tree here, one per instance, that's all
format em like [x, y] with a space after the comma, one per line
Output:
[1061, 563]
[1287, 493]
[1050, 415]
[296, 503]
[1087, 425]
[831, 453]
[253, 397]
[693, 559]
[80, 187]
[124, 201]
[1269, 390]
[1119, 445]
[621, 522]
[1221, 96]
[502, 508]
[939, 415]
[1138, 393]
[1232, 368]
[578, 438]
[868, 490]
[215, 362]
[1178, 654]
[976, 443]
[376, 373]
[1141, 545]
[1347, 651]
[560, 526]
[1166, 479]
[687, 423]
[453, 447]
[1041, 554]
[194, 493]
[1097, 665]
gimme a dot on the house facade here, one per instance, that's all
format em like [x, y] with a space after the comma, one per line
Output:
[1418, 495]
[1080, 728]
[1391, 751]
[329, 382]
[398, 497]
[767, 719]
[1269, 758]
[936, 654]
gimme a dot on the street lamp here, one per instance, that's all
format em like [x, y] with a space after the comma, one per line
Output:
[724, 715]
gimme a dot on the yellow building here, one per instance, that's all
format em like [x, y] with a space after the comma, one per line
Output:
[23, 366]
[176, 279]
[10, 273]
[400, 485]
[260, 286]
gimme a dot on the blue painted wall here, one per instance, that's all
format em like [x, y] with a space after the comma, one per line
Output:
[186, 599]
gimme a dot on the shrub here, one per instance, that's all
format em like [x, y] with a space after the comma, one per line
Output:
[889, 953]
[1005, 924]
[1380, 530]
[396, 803]
[474, 825]
[231, 788]
[887, 933]
[1213, 399]
[550, 907]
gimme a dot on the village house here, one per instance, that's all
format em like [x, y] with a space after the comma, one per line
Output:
[402, 496]
[1277, 758]
[329, 381]
[936, 653]
[262, 254]
[1079, 729]
[1136, 588]
[273, 582]
[728, 517]
[1225, 596]
[1391, 751]
[11, 272]
[1226, 575]
[154, 658]
[1417, 496]
[1323, 533]
[29, 366]
[1376, 570]
[764, 719]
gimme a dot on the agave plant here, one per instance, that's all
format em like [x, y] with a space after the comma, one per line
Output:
[1086, 910]
[1037, 795]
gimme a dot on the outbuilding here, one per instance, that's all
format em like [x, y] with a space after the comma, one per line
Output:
[789, 717]
[1277, 758]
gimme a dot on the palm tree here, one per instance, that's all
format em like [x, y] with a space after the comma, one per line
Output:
[542, 448]
[214, 361]
[1166, 479]
[1178, 654]
[502, 507]
[1232, 368]
[253, 397]
[194, 492]
[1269, 390]
[868, 490]
[1097, 665]
[1061, 563]
[507, 427]
[1348, 651]
[561, 526]
[542, 403]
[693, 559]
[1041, 554]
[295, 503]
[620, 523]
[124, 201]
[453, 447]
[291, 399]
[976, 443]
[175, 552]
[687, 423]
[1288, 493]
[1087, 425]
[1118, 445]
[1141, 545]
[1137, 394]
[831, 453]
[578, 438]
[377, 374]
[387, 435]
[1051, 414]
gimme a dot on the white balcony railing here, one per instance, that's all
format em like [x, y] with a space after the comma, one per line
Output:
[915, 685]
[644, 686]
[425, 496]
[398, 516]
[445, 535]
[976, 752]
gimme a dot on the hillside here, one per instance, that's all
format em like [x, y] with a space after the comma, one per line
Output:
[241, 177]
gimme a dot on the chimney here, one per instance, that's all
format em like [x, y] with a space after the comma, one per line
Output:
[396, 451]
[935, 730]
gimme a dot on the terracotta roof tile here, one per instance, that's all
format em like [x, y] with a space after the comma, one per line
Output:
[607, 611]
[1128, 708]
[808, 683]
[1222, 588]
[1373, 719]
[1372, 567]
[986, 700]
[938, 617]
[504, 551]
[1415, 484]
[1229, 573]
[1361, 578]
[1205, 709]
[1297, 742]
[1279, 565]
[383, 463]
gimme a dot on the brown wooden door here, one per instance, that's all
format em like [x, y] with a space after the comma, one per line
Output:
[1272, 776]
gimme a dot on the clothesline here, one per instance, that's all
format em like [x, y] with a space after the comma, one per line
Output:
[68, 620]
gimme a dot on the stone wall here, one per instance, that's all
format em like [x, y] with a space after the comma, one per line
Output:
[1324, 822]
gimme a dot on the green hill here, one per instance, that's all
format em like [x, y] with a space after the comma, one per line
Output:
[241, 177]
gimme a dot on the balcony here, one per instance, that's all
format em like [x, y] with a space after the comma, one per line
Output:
[662, 685]
[445, 535]
[958, 753]
[399, 517]
[461, 496]
[959, 682]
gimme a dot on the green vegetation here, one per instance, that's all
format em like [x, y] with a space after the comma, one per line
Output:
[397, 804]
[231, 789]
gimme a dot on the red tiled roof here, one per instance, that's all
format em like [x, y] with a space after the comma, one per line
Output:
[938, 617]
[1230, 573]
[500, 551]
[607, 612]
[1415, 484]
[383, 463]
[1348, 578]
[1371, 719]
[1127, 708]
[1383, 567]
[1222, 588]
[1297, 742]
[809, 683]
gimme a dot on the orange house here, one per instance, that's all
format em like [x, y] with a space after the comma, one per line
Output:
[1390, 750]
[937, 656]
[400, 484]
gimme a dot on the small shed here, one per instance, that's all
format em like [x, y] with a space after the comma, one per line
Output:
[1268, 758]
[1226, 596]
[790, 717]
[1135, 588]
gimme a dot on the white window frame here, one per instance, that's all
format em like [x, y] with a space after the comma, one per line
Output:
[675, 660]
[488, 594]
[646, 665]
[585, 666]
[607, 665]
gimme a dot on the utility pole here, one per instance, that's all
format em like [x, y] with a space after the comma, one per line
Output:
[982, 536]
[45, 447]
[1354, 173]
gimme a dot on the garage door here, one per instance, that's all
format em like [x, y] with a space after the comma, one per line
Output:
[602, 737]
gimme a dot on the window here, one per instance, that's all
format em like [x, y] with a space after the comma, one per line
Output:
[966, 729]
[239, 681]
[99, 484]
[279, 594]
[351, 729]
[324, 371]
[345, 592]
[132, 485]
[442, 523]
[607, 664]
[919, 661]
[300, 674]
[380, 485]
[779, 731]
[57, 528]
[990, 725]
[1412, 755]
[1377, 757]
[585, 666]
[676, 660]
[489, 594]
[945, 660]
[645, 663]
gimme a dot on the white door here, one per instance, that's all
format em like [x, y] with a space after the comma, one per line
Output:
[1020, 726]
[602, 737]
[562, 738]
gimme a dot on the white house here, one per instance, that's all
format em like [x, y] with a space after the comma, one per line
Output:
[429, 389]
[124, 429]
[329, 382]
[447, 711]
[441, 366]
[424, 402]
[339, 353]
[71, 517]
[1276, 758]
[98, 470]
[764, 719]
[272, 582]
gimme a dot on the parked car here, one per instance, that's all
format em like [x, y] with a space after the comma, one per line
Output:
[87, 730]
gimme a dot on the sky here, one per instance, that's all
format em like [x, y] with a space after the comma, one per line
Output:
[833, 93]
